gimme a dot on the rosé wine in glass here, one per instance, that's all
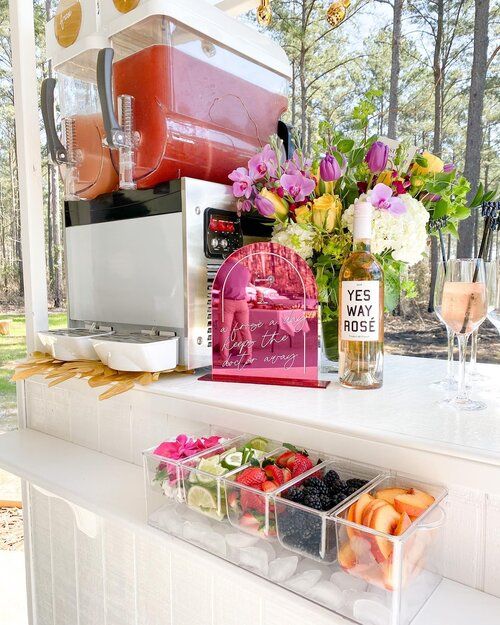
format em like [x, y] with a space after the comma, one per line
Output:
[464, 303]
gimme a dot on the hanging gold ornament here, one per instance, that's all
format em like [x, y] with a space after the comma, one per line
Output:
[264, 13]
[337, 12]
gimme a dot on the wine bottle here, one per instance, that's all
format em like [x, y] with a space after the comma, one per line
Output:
[361, 306]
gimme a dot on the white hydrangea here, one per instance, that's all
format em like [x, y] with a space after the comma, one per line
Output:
[405, 235]
[296, 237]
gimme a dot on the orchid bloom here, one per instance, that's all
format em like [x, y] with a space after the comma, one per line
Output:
[298, 186]
[183, 447]
[242, 183]
[382, 198]
[244, 206]
[263, 164]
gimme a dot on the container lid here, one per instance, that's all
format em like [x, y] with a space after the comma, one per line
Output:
[214, 24]
[77, 333]
[136, 338]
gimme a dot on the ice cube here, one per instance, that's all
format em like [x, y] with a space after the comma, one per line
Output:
[168, 520]
[307, 564]
[268, 548]
[214, 542]
[194, 531]
[240, 541]
[327, 594]
[282, 569]
[189, 514]
[348, 582]
[370, 612]
[256, 559]
[303, 582]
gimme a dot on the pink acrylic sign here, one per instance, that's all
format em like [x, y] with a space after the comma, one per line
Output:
[265, 318]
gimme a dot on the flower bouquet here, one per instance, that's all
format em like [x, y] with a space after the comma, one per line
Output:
[311, 200]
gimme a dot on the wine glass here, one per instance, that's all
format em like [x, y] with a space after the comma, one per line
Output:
[448, 383]
[493, 280]
[462, 304]
[490, 268]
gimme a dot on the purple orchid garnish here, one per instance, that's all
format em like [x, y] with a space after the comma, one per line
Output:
[264, 206]
[382, 198]
[297, 186]
[242, 183]
[263, 164]
[244, 206]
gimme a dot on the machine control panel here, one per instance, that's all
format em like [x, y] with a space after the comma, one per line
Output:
[223, 233]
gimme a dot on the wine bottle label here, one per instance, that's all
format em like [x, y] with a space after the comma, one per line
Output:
[360, 313]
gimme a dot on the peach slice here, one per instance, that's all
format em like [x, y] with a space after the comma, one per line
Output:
[385, 520]
[361, 504]
[346, 557]
[414, 502]
[403, 524]
[369, 510]
[351, 532]
[388, 494]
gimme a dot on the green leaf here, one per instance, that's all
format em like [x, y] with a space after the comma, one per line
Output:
[478, 198]
[440, 209]
[421, 160]
[345, 145]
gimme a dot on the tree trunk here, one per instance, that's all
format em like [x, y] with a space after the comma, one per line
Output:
[438, 126]
[302, 77]
[472, 166]
[392, 124]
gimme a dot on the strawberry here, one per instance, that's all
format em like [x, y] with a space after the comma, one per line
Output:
[268, 486]
[232, 499]
[300, 465]
[282, 461]
[252, 501]
[249, 521]
[253, 476]
[274, 473]
[287, 475]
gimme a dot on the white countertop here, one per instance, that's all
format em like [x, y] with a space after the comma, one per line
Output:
[404, 412]
[75, 473]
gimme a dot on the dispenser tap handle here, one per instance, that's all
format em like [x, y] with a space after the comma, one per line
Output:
[285, 134]
[56, 149]
[114, 133]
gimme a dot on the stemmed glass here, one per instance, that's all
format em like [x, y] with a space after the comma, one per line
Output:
[461, 302]
[493, 279]
[448, 383]
[490, 268]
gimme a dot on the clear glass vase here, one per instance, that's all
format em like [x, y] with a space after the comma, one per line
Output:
[329, 341]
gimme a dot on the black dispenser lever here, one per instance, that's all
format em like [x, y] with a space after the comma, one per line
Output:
[56, 149]
[114, 133]
[285, 134]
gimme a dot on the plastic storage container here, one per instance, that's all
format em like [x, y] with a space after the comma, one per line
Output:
[71, 343]
[204, 476]
[390, 549]
[309, 531]
[252, 510]
[73, 42]
[162, 467]
[138, 352]
[191, 92]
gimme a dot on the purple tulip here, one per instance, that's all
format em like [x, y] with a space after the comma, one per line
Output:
[449, 167]
[297, 186]
[242, 183]
[382, 199]
[377, 157]
[264, 206]
[329, 169]
[263, 164]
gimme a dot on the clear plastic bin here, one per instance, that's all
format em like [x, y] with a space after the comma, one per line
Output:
[186, 105]
[163, 475]
[203, 476]
[390, 549]
[252, 510]
[310, 531]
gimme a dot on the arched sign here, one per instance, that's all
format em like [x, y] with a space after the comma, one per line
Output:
[265, 318]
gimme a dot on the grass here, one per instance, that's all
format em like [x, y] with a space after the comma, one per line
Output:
[12, 349]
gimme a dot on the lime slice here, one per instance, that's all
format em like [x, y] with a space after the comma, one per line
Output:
[258, 443]
[208, 467]
[233, 460]
[199, 497]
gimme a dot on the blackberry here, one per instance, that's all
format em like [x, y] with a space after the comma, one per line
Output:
[355, 484]
[312, 500]
[294, 494]
[316, 485]
[333, 481]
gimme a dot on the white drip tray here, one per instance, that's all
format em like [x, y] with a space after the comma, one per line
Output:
[137, 352]
[71, 343]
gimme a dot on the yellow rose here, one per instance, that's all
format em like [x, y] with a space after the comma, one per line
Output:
[325, 211]
[434, 165]
[280, 206]
[385, 177]
[303, 214]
